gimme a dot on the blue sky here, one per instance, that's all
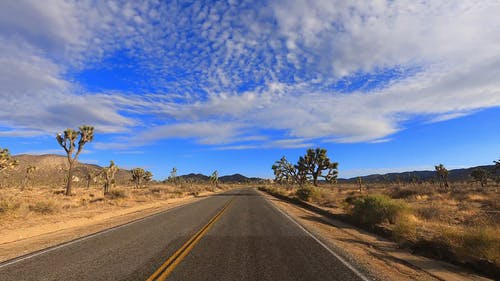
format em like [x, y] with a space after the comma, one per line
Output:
[234, 85]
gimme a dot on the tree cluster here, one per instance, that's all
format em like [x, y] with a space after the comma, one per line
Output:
[140, 177]
[310, 167]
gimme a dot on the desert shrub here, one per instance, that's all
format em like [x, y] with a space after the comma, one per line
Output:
[400, 192]
[323, 197]
[156, 190]
[405, 229]
[377, 208]
[480, 242]
[483, 242]
[405, 192]
[176, 194]
[304, 193]
[116, 194]
[7, 206]
[43, 207]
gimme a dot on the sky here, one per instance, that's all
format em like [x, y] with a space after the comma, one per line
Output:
[235, 85]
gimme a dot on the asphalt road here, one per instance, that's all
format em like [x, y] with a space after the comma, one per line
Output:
[250, 240]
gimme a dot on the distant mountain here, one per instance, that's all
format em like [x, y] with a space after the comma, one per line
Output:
[51, 170]
[454, 175]
[235, 178]
[195, 178]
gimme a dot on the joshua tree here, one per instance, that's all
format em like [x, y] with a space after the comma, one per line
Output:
[148, 177]
[137, 176]
[67, 141]
[284, 171]
[6, 160]
[214, 179]
[496, 169]
[140, 176]
[480, 175]
[442, 174]
[109, 176]
[173, 175]
[29, 170]
[90, 177]
[314, 163]
[360, 183]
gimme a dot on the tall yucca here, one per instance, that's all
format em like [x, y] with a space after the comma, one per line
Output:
[67, 140]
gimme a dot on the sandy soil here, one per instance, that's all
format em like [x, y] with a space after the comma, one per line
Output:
[382, 258]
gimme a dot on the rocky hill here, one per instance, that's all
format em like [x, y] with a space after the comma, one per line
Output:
[51, 170]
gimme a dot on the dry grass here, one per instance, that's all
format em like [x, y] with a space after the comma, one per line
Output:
[40, 204]
[462, 225]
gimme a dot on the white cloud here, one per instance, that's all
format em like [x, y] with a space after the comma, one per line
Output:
[223, 74]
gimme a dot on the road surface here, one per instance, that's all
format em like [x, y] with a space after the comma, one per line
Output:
[237, 235]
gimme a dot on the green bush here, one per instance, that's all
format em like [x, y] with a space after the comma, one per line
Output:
[304, 193]
[377, 208]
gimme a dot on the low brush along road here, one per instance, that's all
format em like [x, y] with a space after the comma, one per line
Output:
[237, 235]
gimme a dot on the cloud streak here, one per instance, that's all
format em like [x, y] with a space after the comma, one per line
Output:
[241, 76]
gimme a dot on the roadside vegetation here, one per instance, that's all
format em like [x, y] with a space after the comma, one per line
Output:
[454, 221]
[60, 188]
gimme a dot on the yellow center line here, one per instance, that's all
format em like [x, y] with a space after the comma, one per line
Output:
[168, 266]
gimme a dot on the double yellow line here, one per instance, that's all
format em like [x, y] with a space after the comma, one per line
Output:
[167, 267]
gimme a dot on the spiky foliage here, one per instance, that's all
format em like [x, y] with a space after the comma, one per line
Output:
[109, 176]
[173, 176]
[480, 175]
[6, 160]
[314, 163]
[67, 141]
[360, 183]
[29, 170]
[140, 176]
[284, 172]
[496, 171]
[442, 174]
[214, 179]
[148, 177]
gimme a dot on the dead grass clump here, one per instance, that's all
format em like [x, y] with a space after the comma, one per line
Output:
[116, 194]
[7, 206]
[480, 242]
[405, 229]
[399, 192]
[434, 212]
[323, 197]
[43, 207]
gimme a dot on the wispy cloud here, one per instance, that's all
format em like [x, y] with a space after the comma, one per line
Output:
[229, 75]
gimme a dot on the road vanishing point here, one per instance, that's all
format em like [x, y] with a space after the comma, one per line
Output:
[236, 235]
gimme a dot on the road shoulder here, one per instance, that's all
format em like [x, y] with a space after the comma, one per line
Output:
[382, 259]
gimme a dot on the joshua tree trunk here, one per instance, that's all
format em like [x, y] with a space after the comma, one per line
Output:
[70, 178]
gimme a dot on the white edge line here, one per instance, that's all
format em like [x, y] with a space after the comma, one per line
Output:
[64, 244]
[342, 260]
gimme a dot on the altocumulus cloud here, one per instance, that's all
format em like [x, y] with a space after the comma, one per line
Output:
[246, 75]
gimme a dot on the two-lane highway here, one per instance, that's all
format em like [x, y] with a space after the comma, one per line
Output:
[237, 235]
